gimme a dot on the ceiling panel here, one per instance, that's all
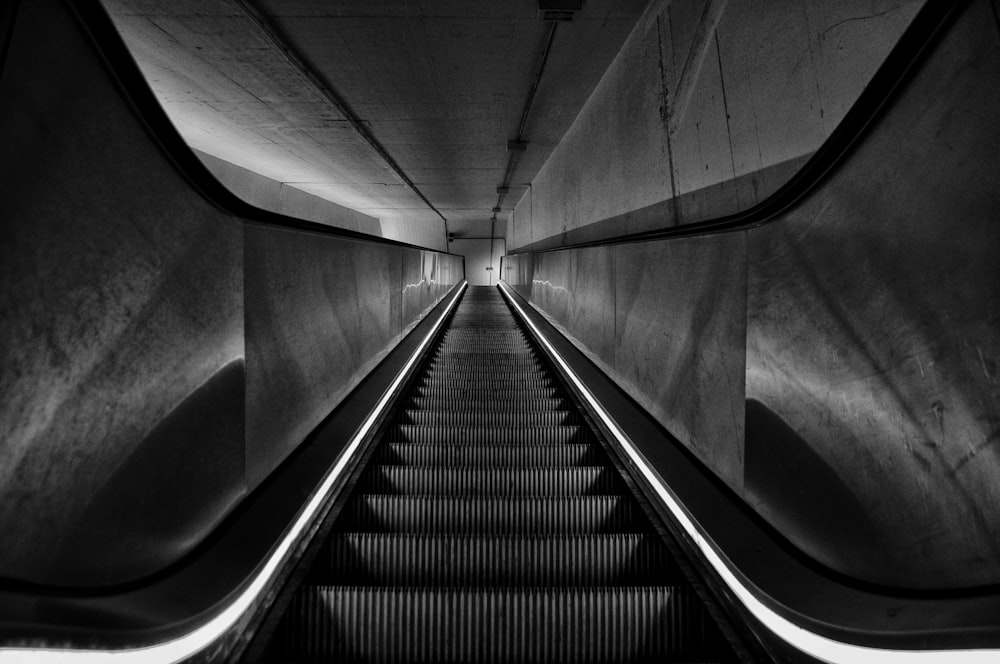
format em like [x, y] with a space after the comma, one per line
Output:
[439, 84]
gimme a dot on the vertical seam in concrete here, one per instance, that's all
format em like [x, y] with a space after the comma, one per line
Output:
[812, 61]
[510, 232]
[696, 54]
[746, 351]
[271, 32]
[531, 212]
[614, 305]
[996, 15]
[8, 17]
[244, 240]
[725, 108]
[756, 181]
[665, 121]
[399, 289]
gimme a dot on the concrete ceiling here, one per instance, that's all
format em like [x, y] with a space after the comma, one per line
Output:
[439, 85]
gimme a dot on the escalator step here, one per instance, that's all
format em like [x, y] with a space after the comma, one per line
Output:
[487, 370]
[469, 343]
[459, 514]
[485, 404]
[490, 526]
[530, 456]
[494, 560]
[448, 481]
[603, 625]
[471, 391]
[464, 341]
[486, 380]
[458, 418]
[485, 358]
[493, 364]
[412, 433]
[473, 352]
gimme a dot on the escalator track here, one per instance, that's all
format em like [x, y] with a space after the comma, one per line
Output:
[491, 526]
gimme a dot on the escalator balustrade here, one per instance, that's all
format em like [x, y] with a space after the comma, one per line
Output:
[491, 526]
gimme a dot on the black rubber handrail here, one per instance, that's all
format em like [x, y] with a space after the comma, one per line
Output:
[927, 26]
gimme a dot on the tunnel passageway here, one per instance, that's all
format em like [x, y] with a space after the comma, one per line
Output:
[490, 525]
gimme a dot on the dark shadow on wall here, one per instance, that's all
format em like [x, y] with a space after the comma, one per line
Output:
[805, 498]
[173, 489]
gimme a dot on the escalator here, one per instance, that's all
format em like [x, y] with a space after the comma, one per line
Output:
[491, 526]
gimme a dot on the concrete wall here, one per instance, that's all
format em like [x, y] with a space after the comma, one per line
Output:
[160, 356]
[837, 367]
[320, 314]
[265, 193]
[666, 320]
[708, 108]
[422, 231]
[482, 268]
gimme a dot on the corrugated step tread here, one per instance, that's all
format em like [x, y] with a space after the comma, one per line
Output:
[465, 481]
[490, 526]
[468, 418]
[460, 514]
[536, 435]
[495, 560]
[506, 456]
[483, 403]
[600, 625]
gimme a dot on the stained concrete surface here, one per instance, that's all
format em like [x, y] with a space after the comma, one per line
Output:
[135, 410]
[319, 314]
[482, 258]
[666, 320]
[427, 277]
[871, 342]
[680, 325]
[440, 85]
[122, 297]
[873, 313]
[700, 109]
[268, 194]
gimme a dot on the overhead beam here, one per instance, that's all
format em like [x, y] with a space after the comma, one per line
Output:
[273, 33]
[518, 144]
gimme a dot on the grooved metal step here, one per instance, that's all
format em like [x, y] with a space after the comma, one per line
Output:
[461, 514]
[489, 358]
[487, 391]
[486, 369]
[466, 418]
[490, 526]
[483, 403]
[600, 625]
[502, 381]
[444, 480]
[527, 456]
[413, 433]
[496, 560]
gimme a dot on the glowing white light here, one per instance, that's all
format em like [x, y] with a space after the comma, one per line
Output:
[816, 645]
[200, 638]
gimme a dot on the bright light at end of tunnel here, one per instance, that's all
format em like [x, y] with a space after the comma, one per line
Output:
[815, 645]
[208, 633]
